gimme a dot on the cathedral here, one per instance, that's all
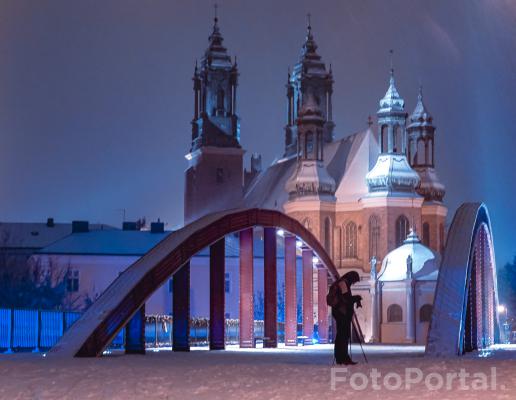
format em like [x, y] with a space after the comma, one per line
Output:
[362, 195]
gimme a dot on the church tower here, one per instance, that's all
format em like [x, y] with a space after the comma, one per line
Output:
[310, 179]
[310, 188]
[214, 178]
[309, 76]
[392, 201]
[421, 132]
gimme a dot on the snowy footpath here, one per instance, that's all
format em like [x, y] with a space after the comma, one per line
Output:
[393, 372]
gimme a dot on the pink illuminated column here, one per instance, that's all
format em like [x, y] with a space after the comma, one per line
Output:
[246, 289]
[308, 307]
[270, 320]
[290, 292]
[322, 308]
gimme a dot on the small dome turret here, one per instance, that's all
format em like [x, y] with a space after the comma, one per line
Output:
[423, 262]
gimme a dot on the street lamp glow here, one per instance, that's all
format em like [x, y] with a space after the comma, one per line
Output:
[299, 244]
[315, 260]
[280, 232]
[501, 308]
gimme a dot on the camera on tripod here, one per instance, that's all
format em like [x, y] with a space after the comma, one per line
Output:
[358, 301]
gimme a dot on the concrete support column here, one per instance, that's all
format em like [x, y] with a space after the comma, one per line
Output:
[217, 276]
[181, 309]
[246, 289]
[322, 307]
[270, 289]
[290, 292]
[308, 318]
[135, 333]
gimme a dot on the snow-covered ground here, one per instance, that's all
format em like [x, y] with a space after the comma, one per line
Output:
[299, 373]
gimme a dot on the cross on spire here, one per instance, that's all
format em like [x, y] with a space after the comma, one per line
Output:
[309, 19]
[215, 7]
[391, 53]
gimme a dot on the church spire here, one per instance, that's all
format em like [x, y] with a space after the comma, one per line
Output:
[392, 173]
[420, 115]
[309, 49]
[421, 136]
[215, 121]
[392, 118]
[308, 75]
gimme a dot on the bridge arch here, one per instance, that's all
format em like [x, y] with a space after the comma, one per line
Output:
[465, 314]
[126, 295]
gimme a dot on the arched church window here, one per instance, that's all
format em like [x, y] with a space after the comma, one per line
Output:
[374, 236]
[402, 230]
[327, 235]
[398, 139]
[394, 313]
[384, 138]
[441, 237]
[426, 234]
[220, 100]
[431, 152]
[309, 145]
[420, 152]
[350, 240]
[425, 313]
[307, 224]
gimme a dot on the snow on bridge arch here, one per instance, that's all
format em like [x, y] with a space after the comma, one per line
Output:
[126, 295]
[465, 314]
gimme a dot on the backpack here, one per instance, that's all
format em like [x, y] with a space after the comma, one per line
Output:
[332, 298]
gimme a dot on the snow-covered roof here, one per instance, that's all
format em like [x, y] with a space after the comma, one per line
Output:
[392, 174]
[137, 243]
[392, 101]
[133, 243]
[347, 160]
[37, 235]
[425, 262]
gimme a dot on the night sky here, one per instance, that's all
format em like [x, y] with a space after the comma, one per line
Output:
[96, 96]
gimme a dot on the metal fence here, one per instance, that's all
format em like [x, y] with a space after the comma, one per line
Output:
[39, 330]
[23, 330]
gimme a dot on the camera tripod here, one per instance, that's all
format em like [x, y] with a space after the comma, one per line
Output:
[355, 326]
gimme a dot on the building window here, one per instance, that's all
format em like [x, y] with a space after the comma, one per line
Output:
[394, 313]
[374, 236]
[441, 237]
[327, 235]
[350, 240]
[307, 224]
[227, 283]
[402, 230]
[72, 281]
[426, 234]
[421, 152]
[425, 313]
[220, 175]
